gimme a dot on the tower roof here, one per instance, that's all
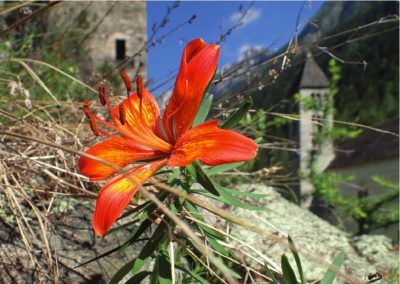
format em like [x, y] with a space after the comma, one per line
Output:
[313, 76]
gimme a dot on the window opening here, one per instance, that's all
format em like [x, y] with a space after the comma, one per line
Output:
[120, 49]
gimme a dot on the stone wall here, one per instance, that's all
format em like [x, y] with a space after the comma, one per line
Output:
[97, 26]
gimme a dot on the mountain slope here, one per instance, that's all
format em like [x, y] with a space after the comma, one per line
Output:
[369, 85]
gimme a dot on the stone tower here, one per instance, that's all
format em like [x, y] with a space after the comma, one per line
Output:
[313, 88]
[105, 32]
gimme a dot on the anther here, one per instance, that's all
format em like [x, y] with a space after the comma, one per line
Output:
[93, 126]
[122, 118]
[127, 81]
[88, 114]
[102, 94]
[139, 86]
[86, 110]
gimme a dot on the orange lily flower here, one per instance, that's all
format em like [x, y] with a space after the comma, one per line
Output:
[138, 133]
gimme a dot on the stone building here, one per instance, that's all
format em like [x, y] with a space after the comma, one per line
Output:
[104, 33]
[313, 90]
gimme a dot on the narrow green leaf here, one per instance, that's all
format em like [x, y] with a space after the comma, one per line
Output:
[37, 79]
[297, 259]
[155, 273]
[227, 198]
[233, 273]
[287, 270]
[212, 236]
[204, 180]
[194, 275]
[225, 193]
[235, 117]
[100, 256]
[223, 168]
[134, 237]
[150, 246]
[164, 267]
[134, 210]
[119, 228]
[258, 140]
[215, 245]
[247, 194]
[330, 275]
[270, 274]
[122, 272]
[203, 111]
[137, 278]
[173, 175]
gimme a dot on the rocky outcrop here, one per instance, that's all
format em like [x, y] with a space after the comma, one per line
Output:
[71, 241]
[316, 237]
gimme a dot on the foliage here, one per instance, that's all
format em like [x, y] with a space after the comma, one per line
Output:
[365, 210]
[363, 97]
[167, 254]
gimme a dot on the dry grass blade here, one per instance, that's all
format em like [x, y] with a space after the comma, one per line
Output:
[36, 78]
[43, 231]
[185, 228]
[59, 71]
[297, 117]
[200, 202]
[275, 267]
[13, 7]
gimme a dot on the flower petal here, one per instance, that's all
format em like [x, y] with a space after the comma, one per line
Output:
[114, 197]
[117, 150]
[212, 146]
[140, 120]
[198, 65]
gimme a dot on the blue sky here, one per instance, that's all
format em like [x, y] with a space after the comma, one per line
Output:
[268, 24]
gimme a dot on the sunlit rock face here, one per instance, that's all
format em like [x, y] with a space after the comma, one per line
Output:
[320, 240]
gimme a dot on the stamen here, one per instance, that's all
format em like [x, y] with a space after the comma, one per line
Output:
[139, 86]
[102, 94]
[122, 117]
[127, 81]
[92, 122]
[93, 126]
[86, 110]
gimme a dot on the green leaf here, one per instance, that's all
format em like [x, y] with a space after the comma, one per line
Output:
[212, 236]
[119, 228]
[134, 210]
[287, 270]
[227, 198]
[194, 275]
[134, 237]
[164, 268]
[150, 247]
[235, 117]
[203, 111]
[297, 259]
[122, 272]
[258, 140]
[204, 180]
[155, 273]
[247, 194]
[270, 274]
[173, 175]
[137, 278]
[223, 168]
[233, 273]
[330, 275]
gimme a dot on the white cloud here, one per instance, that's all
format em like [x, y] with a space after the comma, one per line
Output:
[251, 15]
[246, 48]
